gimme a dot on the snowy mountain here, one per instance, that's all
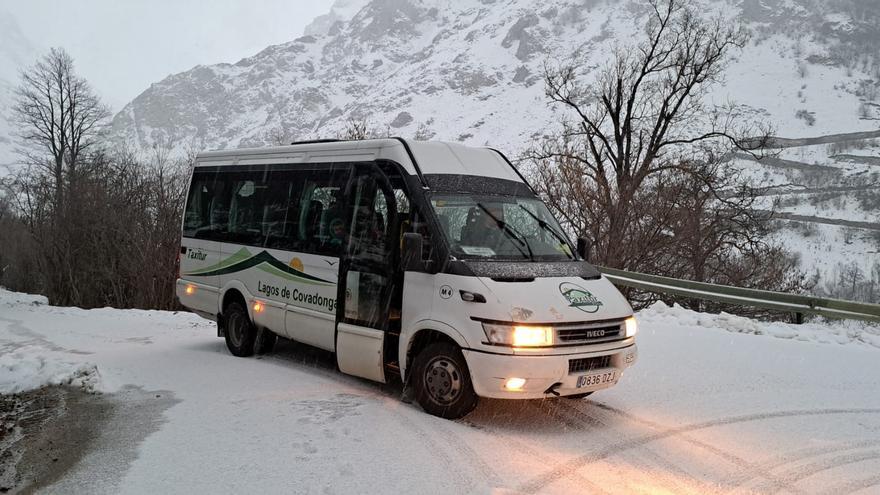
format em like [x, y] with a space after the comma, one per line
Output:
[470, 71]
[342, 11]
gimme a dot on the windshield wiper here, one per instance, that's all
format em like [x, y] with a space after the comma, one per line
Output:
[546, 226]
[507, 229]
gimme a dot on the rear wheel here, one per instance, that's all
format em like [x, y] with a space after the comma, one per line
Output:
[240, 332]
[265, 340]
[442, 381]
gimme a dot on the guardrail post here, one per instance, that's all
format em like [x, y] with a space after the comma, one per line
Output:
[799, 318]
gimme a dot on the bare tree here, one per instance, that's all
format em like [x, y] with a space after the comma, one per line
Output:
[357, 129]
[637, 167]
[58, 117]
[642, 117]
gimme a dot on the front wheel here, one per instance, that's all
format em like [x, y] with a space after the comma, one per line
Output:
[442, 381]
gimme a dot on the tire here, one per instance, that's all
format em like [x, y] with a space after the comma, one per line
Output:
[264, 342]
[578, 396]
[442, 381]
[240, 332]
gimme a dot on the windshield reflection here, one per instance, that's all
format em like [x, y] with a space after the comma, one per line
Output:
[500, 227]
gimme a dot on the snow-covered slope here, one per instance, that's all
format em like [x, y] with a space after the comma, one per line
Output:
[342, 11]
[470, 71]
[716, 404]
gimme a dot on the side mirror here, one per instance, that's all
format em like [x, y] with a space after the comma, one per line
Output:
[583, 248]
[411, 254]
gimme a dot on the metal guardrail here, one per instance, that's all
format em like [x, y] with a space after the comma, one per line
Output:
[778, 301]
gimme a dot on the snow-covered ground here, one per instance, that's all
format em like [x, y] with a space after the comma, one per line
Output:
[716, 404]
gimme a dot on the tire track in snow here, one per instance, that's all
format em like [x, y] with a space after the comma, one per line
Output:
[525, 448]
[673, 484]
[386, 400]
[744, 476]
[566, 468]
[756, 470]
[17, 327]
[463, 481]
[813, 468]
[854, 486]
[464, 451]
[566, 420]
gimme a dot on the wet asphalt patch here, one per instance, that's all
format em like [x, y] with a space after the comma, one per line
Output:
[66, 440]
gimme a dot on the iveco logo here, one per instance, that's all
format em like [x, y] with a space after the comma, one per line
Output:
[595, 334]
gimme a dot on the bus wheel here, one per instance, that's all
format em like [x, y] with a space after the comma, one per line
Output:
[240, 332]
[442, 382]
[264, 342]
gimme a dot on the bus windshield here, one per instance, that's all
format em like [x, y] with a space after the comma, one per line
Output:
[500, 228]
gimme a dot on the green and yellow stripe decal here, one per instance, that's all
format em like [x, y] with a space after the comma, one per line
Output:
[244, 259]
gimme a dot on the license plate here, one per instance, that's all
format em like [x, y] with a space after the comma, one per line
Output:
[596, 379]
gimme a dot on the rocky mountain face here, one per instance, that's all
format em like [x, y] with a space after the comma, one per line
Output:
[471, 71]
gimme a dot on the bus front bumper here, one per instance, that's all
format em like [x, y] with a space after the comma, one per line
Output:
[547, 375]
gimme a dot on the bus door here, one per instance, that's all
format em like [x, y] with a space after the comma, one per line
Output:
[368, 274]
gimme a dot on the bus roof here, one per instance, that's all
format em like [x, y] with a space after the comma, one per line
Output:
[431, 157]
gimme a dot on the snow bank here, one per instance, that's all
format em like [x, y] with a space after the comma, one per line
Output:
[819, 331]
[32, 367]
[9, 298]
[28, 361]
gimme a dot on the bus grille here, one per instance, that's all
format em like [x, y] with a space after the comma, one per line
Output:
[588, 364]
[589, 333]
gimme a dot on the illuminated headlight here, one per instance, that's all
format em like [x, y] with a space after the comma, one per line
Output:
[632, 327]
[518, 336]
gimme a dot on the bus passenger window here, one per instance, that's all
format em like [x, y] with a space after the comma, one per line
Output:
[280, 211]
[322, 219]
[196, 219]
[246, 212]
[207, 209]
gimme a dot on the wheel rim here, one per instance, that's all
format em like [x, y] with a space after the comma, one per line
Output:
[443, 380]
[235, 329]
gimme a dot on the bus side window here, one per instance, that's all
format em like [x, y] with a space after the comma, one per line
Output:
[281, 210]
[196, 216]
[207, 208]
[419, 226]
[322, 223]
[248, 194]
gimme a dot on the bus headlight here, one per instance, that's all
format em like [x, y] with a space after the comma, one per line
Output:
[632, 327]
[519, 335]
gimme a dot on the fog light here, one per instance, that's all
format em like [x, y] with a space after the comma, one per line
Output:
[515, 383]
[190, 289]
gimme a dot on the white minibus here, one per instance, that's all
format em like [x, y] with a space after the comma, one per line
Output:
[431, 263]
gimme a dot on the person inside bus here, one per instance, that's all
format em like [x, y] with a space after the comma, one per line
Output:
[337, 234]
[481, 229]
[335, 210]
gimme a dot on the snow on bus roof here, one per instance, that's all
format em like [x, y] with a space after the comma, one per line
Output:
[438, 157]
[433, 157]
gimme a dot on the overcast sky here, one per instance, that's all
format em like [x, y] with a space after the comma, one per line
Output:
[121, 46]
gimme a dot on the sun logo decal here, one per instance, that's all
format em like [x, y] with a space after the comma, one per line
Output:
[296, 264]
[579, 298]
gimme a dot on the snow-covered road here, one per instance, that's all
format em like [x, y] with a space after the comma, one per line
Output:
[707, 409]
